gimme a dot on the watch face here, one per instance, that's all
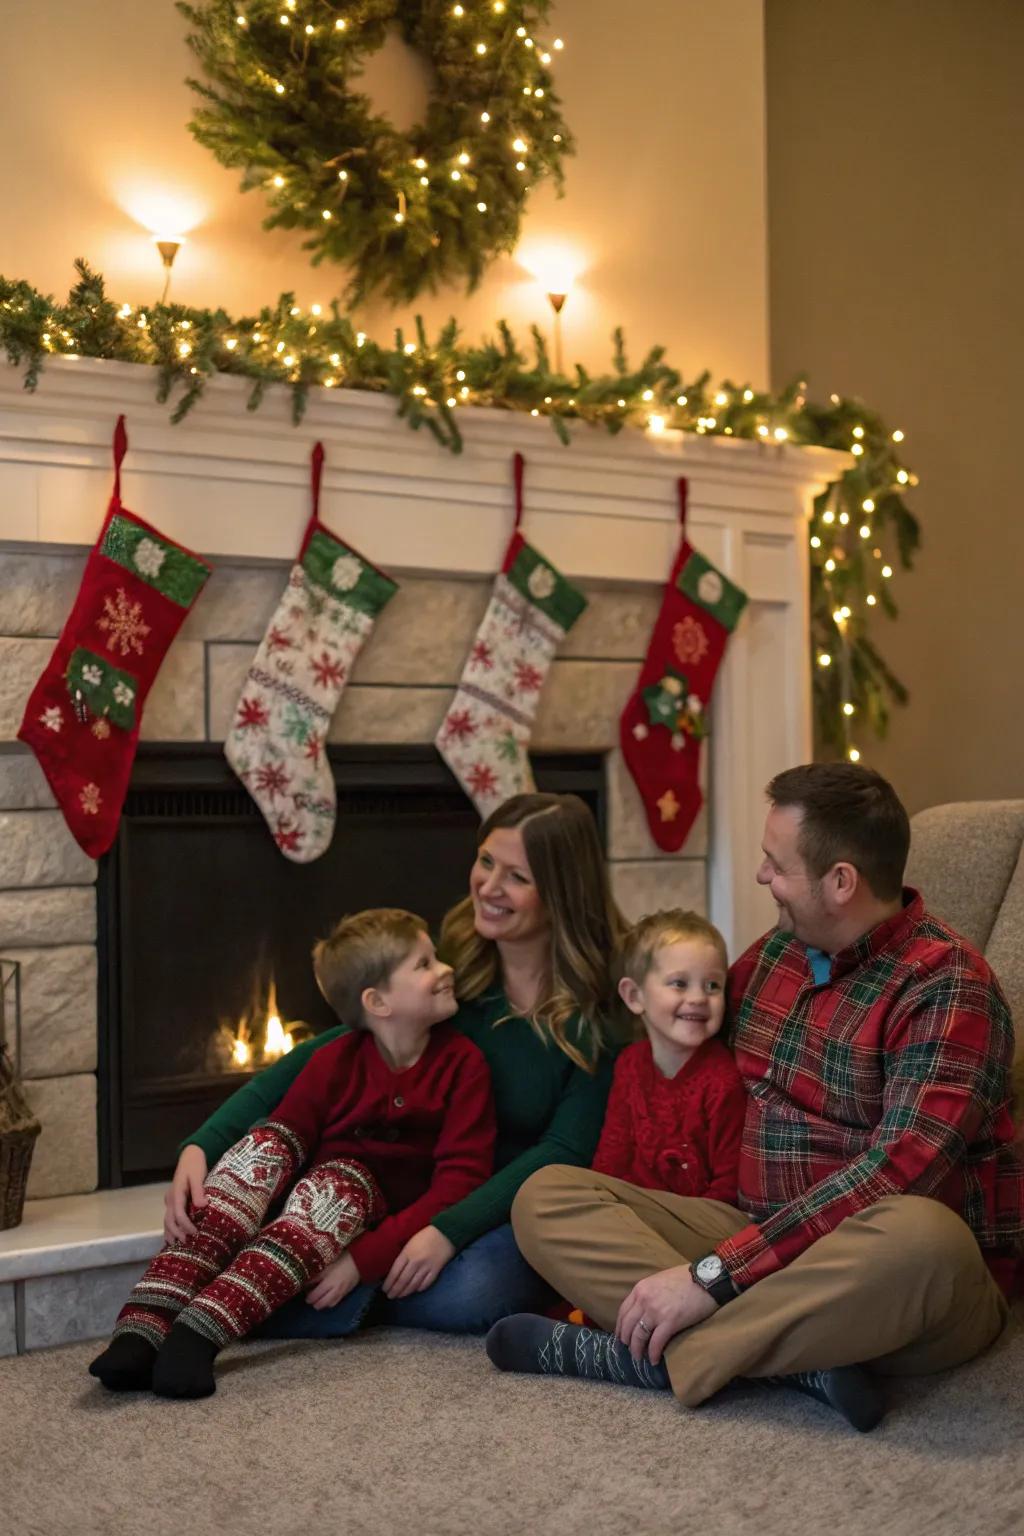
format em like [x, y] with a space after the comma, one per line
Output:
[710, 1269]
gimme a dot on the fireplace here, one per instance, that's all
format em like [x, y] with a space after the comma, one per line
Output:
[205, 929]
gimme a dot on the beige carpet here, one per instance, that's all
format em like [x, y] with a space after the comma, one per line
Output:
[411, 1433]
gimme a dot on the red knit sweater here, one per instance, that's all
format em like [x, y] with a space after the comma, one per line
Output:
[426, 1133]
[680, 1133]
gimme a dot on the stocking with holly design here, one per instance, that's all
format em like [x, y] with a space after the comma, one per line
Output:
[83, 716]
[664, 723]
[277, 742]
[485, 735]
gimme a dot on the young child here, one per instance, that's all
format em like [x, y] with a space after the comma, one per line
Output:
[388, 1125]
[675, 1112]
[674, 1122]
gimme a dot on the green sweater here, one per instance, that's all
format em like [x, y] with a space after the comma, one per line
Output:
[548, 1110]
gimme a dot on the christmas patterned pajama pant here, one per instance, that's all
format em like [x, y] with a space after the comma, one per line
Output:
[234, 1272]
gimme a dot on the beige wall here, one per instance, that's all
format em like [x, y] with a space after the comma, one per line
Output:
[896, 215]
[665, 198]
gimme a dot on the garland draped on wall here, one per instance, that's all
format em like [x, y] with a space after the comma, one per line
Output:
[860, 527]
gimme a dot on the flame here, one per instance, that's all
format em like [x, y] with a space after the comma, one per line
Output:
[277, 1042]
[252, 1047]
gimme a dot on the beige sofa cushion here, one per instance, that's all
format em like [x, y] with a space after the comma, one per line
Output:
[967, 859]
[962, 858]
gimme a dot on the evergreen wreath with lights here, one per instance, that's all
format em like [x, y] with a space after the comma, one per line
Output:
[404, 211]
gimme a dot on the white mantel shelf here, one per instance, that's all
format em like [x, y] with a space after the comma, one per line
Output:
[234, 485]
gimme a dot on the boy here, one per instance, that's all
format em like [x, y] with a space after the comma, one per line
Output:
[675, 1113]
[674, 1122]
[391, 1123]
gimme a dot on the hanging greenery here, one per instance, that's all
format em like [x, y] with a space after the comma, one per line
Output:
[404, 211]
[860, 530]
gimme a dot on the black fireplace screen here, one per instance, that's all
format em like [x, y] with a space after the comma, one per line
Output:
[206, 929]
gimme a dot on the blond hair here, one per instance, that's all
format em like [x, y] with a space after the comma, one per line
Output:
[642, 942]
[362, 951]
[564, 855]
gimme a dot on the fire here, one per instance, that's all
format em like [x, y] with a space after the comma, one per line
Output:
[277, 1041]
[252, 1043]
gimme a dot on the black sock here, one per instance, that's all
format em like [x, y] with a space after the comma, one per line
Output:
[184, 1366]
[126, 1365]
[849, 1389]
[541, 1347]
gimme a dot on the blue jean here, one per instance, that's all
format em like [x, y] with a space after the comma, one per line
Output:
[486, 1281]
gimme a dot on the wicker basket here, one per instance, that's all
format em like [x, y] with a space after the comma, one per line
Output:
[18, 1125]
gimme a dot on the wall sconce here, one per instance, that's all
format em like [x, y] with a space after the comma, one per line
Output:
[557, 302]
[168, 246]
[556, 268]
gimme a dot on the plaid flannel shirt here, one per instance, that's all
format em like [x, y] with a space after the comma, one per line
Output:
[890, 1078]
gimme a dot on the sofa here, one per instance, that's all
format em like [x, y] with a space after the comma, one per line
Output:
[967, 859]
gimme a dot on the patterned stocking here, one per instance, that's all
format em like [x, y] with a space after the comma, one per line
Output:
[664, 722]
[485, 734]
[276, 746]
[83, 716]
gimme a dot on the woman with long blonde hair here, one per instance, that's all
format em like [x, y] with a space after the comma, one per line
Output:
[531, 946]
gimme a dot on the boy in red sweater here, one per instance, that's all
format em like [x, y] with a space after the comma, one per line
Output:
[675, 1112]
[388, 1125]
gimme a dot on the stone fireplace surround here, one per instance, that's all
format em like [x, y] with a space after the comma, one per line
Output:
[233, 486]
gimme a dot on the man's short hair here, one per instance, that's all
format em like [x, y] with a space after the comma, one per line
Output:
[642, 942]
[362, 951]
[852, 815]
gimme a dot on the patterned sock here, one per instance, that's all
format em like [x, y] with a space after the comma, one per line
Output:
[126, 1365]
[540, 1347]
[239, 1191]
[329, 1206]
[848, 1389]
[184, 1366]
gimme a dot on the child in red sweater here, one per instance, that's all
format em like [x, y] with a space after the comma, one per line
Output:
[388, 1125]
[675, 1112]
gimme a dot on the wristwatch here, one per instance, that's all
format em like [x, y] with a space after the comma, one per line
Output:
[712, 1276]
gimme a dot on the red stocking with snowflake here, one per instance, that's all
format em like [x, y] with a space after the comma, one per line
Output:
[485, 735]
[664, 722]
[83, 716]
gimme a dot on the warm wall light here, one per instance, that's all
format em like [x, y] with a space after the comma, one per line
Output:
[167, 212]
[556, 268]
[168, 246]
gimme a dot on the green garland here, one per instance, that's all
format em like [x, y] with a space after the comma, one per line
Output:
[405, 211]
[855, 521]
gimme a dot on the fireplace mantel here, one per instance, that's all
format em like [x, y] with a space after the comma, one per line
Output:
[235, 483]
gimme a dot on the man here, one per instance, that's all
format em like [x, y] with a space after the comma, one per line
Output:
[881, 1197]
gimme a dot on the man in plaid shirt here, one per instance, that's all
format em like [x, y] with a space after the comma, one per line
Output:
[881, 1195]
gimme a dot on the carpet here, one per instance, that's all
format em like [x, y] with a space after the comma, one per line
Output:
[396, 1432]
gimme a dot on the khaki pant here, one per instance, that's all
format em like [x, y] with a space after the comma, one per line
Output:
[902, 1285]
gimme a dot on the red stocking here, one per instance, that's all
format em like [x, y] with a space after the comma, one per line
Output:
[663, 724]
[83, 715]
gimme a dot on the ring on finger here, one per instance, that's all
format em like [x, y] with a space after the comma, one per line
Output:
[645, 1326]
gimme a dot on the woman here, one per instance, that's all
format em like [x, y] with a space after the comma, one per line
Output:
[530, 947]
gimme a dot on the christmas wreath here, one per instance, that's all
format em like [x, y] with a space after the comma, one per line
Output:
[404, 211]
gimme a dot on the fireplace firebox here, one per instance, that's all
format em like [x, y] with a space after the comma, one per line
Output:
[205, 928]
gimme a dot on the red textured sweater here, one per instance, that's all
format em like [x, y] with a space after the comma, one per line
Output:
[680, 1133]
[426, 1133]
